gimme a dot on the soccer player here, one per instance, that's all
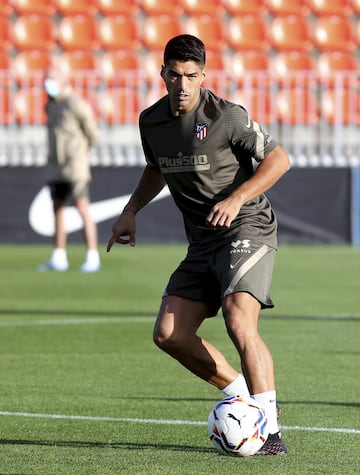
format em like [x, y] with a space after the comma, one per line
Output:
[203, 147]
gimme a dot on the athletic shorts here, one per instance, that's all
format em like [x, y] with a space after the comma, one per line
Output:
[213, 269]
[64, 190]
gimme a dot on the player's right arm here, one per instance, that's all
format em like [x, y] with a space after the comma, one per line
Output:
[124, 228]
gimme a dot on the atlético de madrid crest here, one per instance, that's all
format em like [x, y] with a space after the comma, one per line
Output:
[201, 130]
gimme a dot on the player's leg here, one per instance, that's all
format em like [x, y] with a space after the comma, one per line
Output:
[82, 203]
[175, 333]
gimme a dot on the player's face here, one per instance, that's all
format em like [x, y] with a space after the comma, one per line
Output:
[183, 81]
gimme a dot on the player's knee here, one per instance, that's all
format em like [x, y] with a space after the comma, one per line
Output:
[166, 342]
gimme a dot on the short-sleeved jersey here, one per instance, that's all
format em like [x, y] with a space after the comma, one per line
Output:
[204, 155]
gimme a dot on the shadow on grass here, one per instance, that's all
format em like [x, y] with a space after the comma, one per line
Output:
[107, 445]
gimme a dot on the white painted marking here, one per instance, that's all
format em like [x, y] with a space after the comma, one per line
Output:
[77, 321]
[161, 421]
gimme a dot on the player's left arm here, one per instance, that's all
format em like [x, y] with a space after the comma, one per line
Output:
[270, 170]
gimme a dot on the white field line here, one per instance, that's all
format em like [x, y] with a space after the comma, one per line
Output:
[76, 321]
[160, 421]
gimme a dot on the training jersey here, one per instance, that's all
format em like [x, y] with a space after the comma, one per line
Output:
[204, 155]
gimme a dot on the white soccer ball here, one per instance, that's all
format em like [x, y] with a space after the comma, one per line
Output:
[237, 426]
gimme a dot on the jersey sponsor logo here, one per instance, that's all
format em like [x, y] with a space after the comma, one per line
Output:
[241, 246]
[201, 130]
[41, 215]
[184, 163]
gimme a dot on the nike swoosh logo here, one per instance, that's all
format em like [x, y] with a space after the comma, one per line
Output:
[248, 125]
[41, 215]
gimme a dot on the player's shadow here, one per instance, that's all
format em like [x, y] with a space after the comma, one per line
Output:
[107, 445]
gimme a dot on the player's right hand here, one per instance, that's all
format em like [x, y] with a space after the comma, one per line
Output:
[123, 231]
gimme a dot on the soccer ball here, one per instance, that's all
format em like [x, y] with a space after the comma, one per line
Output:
[237, 426]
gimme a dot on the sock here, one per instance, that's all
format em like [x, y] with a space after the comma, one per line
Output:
[92, 256]
[268, 402]
[237, 388]
[59, 256]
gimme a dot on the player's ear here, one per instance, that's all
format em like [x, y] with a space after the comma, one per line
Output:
[162, 72]
[203, 74]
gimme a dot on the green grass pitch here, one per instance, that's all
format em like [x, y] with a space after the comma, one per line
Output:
[83, 390]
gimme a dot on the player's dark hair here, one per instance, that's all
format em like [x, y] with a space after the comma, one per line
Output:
[185, 48]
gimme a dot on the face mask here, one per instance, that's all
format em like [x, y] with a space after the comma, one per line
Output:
[52, 87]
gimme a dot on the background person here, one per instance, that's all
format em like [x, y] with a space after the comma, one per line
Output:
[71, 130]
[202, 147]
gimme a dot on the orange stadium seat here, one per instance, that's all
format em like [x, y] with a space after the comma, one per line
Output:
[341, 106]
[201, 7]
[338, 68]
[334, 33]
[244, 7]
[78, 32]
[120, 105]
[34, 32]
[6, 39]
[29, 106]
[119, 32]
[333, 7]
[76, 7]
[118, 7]
[290, 32]
[151, 64]
[120, 68]
[81, 66]
[6, 106]
[158, 29]
[251, 68]
[258, 102]
[6, 8]
[287, 7]
[161, 7]
[30, 67]
[248, 32]
[294, 68]
[38, 7]
[355, 5]
[297, 106]
[6, 70]
[217, 76]
[210, 29]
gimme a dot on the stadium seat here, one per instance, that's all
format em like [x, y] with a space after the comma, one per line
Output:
[259, 103]
[201, 7]
[6, 8]
[210, 29]
[120, 68]
[81, 66]
[158, 29]
[118, 7]
[297, 106]
[151, 65]
[337, 68]
[76, 7]
[287, 7]
[161, 7]
[341, 106]
[248, 32]
[355, 5]
[34, 32]
[244, 7]
[294, 69]
[6, 106]
[78, 32]
[251, 68]
[38, 7]
[6, 70]
[30, 66]
[290, 32]
[333, 7]
[6, 40]
[29, 106]
[334, 33]
[119, 32]
[120, 105]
